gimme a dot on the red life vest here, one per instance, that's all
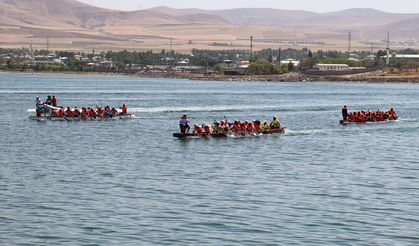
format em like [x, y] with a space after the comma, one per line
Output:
[249, 127]
[198, 130]
[257, 127]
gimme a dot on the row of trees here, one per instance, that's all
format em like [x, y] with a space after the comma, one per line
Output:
[262, 62]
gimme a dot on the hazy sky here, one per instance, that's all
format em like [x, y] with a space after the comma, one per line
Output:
[402, 6]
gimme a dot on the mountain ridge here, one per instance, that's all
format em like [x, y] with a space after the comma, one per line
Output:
[75, 23]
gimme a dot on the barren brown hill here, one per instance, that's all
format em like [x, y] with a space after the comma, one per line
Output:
[69, 24]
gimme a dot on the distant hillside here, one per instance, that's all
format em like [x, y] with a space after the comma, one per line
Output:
[72, 24]
[356, 18]
[406, 29]
[278, 17]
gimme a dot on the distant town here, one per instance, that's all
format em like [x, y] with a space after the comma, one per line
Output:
[204, 63]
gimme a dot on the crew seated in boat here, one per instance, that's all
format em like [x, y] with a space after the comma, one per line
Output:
[68, 112]
[184, 124]
[275, 124]
[61, 112]
[114, 111]
[392, 113]
[237, 127]
[107, 111]
[217, 127]
[99, 111]
[124, 109]
[372, 116]
[249, 127]
[198, 129]
[207, 129]
[76, 112]
[84, 113]
[265, 126]
[257, 126]
[92, 112]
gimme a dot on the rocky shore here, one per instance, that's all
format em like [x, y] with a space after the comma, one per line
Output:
[370, 77]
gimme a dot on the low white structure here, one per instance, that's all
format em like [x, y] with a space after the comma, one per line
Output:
[288, 61]
[405, 56]
[331, 67]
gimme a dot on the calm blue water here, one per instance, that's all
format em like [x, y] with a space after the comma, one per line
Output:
[128, 182]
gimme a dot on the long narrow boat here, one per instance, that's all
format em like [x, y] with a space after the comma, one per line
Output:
[226, 135]
[346, 122]
[50, 118]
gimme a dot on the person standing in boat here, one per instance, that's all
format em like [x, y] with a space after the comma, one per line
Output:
[48, 101]
[40, 108]
[345, 113]
[54, 101]
[184, 124]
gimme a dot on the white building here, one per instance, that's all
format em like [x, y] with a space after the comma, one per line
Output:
[288, 61]
[332, 67]
[405, 56]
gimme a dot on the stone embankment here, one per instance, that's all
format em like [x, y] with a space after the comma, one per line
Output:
[379, 76]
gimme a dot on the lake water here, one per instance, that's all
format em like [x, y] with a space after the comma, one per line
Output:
[129, 182]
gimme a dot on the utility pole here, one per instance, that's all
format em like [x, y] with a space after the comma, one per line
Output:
[279, 56]
[372, 48]
[48, 45]
[388, 48]
[206, 62]
[349, 43]
[251, 49]
[171, 45]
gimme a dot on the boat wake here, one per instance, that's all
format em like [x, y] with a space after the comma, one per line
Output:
[308, 132]
[224, 108]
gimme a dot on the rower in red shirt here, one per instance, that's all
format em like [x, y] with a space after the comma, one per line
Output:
[207, 129]
[99, 112]
[84, 113]
[392, 112]
[54, 101]
[256, 125]
[124, 109]
[68, 112]
[198, 129]
[76, 113]
[61, 112]
[249, 127]
[92, 113]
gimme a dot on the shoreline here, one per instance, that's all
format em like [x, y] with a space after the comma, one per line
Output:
[63, 73]
[372, 77]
